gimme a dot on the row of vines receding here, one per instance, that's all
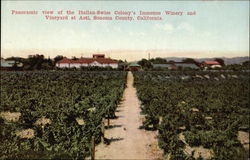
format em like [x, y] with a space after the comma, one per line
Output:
[197, 114]
[53, 114]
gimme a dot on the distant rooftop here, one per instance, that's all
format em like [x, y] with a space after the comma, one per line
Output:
[134, 65]
[10, 63]
[162, 65]
[187, 65]
[212, 62]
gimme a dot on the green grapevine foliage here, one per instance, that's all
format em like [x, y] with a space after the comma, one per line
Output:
[209, 108]
[61, 97]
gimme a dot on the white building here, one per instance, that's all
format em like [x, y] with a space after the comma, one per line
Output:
[211, 64]
[98, 60]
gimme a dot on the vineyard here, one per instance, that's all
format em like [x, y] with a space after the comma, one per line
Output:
[197, 114]
[55, 114]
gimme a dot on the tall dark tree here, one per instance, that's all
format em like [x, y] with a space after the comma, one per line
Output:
[145, 63]
[34, 62]
[58, 58]
[37, 62]
[219, 60]
[189, 60]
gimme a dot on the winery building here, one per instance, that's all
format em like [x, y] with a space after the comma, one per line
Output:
[9, 65]
[98, 60]
[211, 64]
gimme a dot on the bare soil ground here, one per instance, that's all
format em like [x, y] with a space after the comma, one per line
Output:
[198, 151]
[127, 140]
[10, 116]
[27, 133]
[243, 137]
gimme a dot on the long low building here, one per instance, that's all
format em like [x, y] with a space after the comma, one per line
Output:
[98, 60]
[10, 65]
[211, 64]
[177, 65]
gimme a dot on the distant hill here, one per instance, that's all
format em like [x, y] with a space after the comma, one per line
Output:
[234, 60]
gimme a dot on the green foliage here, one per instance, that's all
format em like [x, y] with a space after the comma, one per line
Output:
[189, 60]
[145, 64]
[158, 61]
[208, 111]
[220, 61]
[62, 97]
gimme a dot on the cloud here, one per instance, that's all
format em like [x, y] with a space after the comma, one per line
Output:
[142, 33]
[137, 33]
[206, 34]
[186, 27]
[169, 28]
[116, 28]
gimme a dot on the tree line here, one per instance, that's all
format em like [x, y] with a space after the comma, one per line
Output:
[148, 64]
[39, 62]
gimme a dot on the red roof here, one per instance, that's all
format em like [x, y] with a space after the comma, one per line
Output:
[88, 61]
[211, 62]
[83, 60]
[106, 61]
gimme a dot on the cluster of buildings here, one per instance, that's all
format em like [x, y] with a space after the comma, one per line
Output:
[10, 65]
[211, 64]
[98, 60]
[177, 65]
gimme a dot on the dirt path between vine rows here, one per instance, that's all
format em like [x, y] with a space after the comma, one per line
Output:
[127, 140]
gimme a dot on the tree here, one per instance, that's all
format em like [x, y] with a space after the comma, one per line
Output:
[58, 58]
[74, 58]
[34, 62]
[120, 61]
[189, 60]
[221, 61]
[171, 61]
[246, 64]
[37, 62]
[16, 59]
[122, 65]
[145, 63]
[158, 61]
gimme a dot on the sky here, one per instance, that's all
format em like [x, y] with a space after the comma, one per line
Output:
[219, 29]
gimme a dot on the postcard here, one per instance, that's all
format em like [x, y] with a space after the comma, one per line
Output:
[124, 79]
